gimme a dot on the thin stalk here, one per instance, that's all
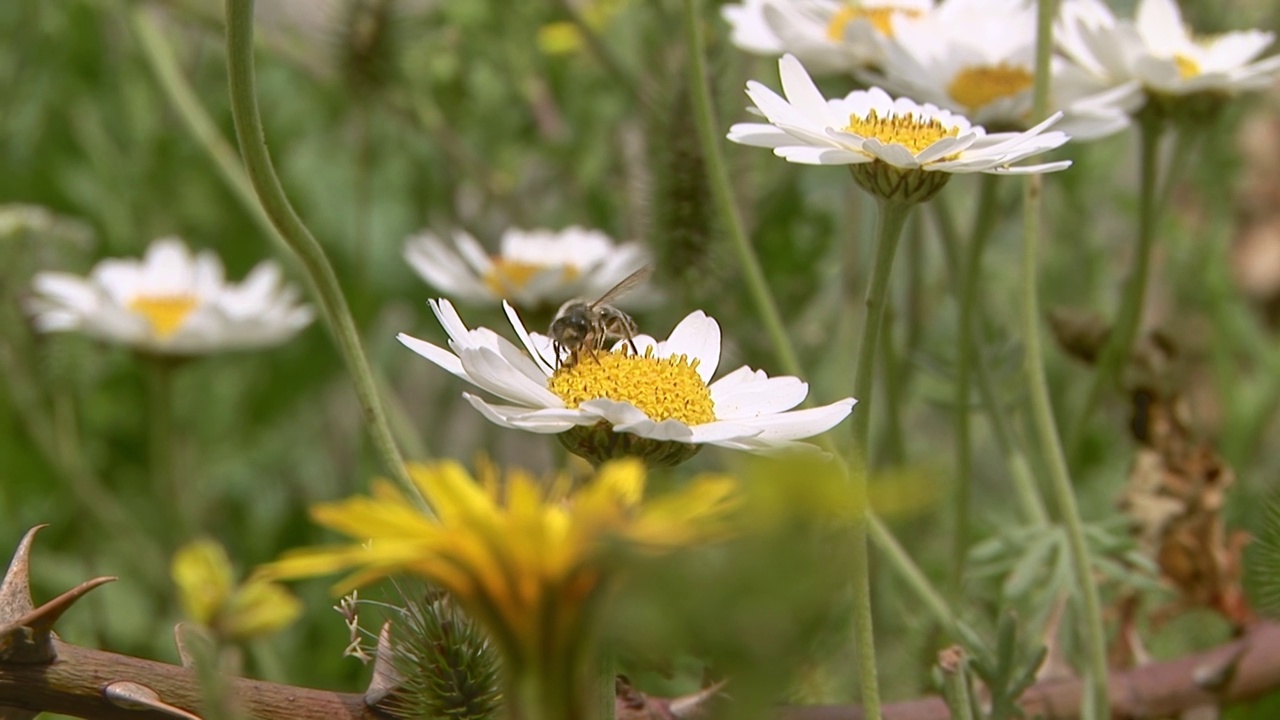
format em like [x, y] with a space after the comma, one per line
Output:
[893, 443]
[160, 58]
[1024, 482]
[915, 579]
[890, 219]
[1115, 354]
[1042, 410]
[722, 190]
[984, 222]
[165, 479]
[257, 160]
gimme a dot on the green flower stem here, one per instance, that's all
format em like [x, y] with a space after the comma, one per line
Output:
[894, 443]
[984, 222]
[890, 219]
[253, 148]
[1024, 482]
[1042, 410]
[1115, 354]
[160, 58]
[915, 579]
[165, 479]
[722, 190]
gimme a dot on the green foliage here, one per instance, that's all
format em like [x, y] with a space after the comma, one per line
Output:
[386, 117]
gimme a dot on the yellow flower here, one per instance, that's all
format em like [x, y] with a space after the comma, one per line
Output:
[527, 558]
[209, 596]
[564, 37]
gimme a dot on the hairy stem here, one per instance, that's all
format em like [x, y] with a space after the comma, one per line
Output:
[1041, 406]
[984, 222]
[1115, 353]
[253, 148]
[722, 190]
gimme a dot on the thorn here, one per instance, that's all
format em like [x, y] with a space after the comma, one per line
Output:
[26, 631]
[15, 589]
[180, 642]
[694, 705]
[385, 676]
[1216, 678]
[135, 696]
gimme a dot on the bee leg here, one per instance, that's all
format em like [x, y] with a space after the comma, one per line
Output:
[635, 351]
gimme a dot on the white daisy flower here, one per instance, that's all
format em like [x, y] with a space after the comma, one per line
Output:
[171, 303]
[977, 57]
[533, 267]
[659, 404]
[829, 36]
[899, 148]
[1158, 50]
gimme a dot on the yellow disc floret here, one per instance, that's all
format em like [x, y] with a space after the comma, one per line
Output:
[912, 132]
[977, 87]
[165, 313]
[663, 388]
[509, 275]
[881, 18]
[1187, 66]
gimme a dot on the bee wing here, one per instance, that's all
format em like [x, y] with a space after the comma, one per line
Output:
[624, 286]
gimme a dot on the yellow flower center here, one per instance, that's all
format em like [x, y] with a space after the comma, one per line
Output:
[664, 388]
[975, 87]
[1187, 67]
[165, 313]
[507, 275]
[913, 133]
[881, 18]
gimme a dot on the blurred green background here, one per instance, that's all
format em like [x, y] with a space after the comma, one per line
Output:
[388, 117]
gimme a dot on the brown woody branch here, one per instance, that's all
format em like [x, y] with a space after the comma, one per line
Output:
[74, 685]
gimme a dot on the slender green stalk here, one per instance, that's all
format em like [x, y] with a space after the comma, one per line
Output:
[1024, 482]
[257, 160]
[722, 190]
[1115, 354]
[893, 443]
[911, 574]
[160, 58]
[1042, 410]
[891, 221]
[984, 222]
[891, 218]
[166, 481]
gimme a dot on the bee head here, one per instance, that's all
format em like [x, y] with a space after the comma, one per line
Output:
[570, 329]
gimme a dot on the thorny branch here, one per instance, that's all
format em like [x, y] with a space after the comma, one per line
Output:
[74, 685]
[39, 672]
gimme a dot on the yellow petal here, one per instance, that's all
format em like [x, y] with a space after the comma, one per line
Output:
[260, 608]
[202, 572]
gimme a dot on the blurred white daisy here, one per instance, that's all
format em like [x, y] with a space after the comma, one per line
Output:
[1158, 50]
[170, 303]
[899, 148]
[829, 36]
[659, 404]
[977, 57]
[532, 267]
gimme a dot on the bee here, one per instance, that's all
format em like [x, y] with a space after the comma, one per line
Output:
[593, 326]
